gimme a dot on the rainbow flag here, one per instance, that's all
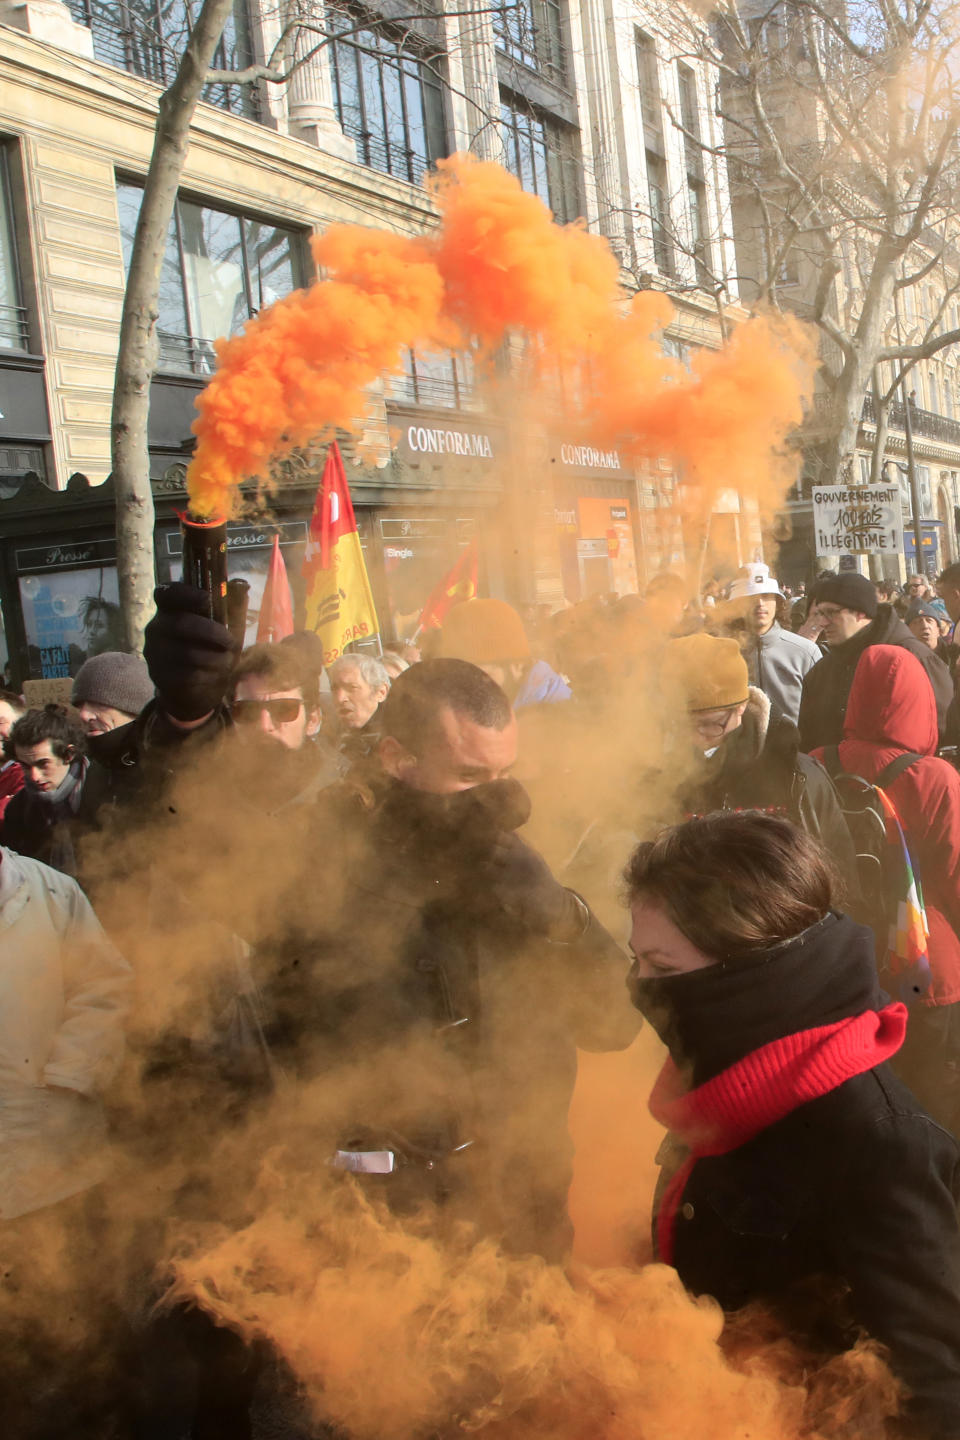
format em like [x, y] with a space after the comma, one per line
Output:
[909, 934]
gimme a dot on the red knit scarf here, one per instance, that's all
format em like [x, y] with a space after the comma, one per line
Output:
[762, 1088]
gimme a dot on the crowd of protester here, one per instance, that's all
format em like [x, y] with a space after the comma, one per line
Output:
[401, 950]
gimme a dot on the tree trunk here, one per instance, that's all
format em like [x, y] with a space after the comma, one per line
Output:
[877, 472]
[839, 450]
[138, 352]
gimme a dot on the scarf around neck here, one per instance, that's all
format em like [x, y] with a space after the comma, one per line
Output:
[67, 792]
[709, 1019]
[763, 1087]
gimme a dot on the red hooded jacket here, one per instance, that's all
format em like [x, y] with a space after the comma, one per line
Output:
[891, 709]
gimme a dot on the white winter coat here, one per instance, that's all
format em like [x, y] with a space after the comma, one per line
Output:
[64, 992]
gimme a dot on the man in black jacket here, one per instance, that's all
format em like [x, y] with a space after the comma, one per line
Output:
[445, 978]
[853, 620]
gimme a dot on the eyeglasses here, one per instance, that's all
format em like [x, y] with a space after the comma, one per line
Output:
[281, 711]
[917, 585]
[713, 724]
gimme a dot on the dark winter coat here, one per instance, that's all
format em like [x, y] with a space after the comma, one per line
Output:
[131, 765]
[359, 747]
[855, 1191]
[436, 1019]
[827, 687]
[891, 710]
[44, 832]
[759, 767]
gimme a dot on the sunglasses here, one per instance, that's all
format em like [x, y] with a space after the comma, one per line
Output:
[281, 712]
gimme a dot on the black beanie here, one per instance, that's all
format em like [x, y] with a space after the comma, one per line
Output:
[853, 592]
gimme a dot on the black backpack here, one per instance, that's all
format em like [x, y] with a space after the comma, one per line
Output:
[866, 822]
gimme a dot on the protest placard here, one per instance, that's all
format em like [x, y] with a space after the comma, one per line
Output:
[858, 520]
[38, 693]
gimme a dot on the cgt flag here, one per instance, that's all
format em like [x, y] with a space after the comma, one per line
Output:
[459, 583]
[276, 611]
[339, 605]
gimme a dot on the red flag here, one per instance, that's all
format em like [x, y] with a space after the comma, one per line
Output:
[276, 608]
[459, 583]
[340, 604]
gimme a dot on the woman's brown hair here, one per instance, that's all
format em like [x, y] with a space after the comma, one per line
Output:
[734, 883]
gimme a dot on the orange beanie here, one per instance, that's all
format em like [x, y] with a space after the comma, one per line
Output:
[484, 631]
[704, 672]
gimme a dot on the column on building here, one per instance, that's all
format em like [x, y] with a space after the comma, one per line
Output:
[601, 129]
[472, 93]
[310, 108]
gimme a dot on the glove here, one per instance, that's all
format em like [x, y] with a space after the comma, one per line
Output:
[520, 885]
[189, 656]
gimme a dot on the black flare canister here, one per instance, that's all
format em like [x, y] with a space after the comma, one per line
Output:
[205, 561]
[238, 602]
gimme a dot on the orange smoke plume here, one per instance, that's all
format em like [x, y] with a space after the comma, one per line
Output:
[394, 1334]
[496, 264]
[300, 368]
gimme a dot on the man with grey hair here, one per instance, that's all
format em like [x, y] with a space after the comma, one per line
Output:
[358, 684]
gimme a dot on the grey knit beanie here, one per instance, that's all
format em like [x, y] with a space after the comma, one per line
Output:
[114, 679]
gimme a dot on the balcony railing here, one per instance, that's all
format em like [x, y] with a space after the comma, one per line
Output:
[186, 354]
[431, 391]
[923, 422]
[14, 330]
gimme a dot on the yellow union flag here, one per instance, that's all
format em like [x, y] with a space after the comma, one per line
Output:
[339, 602]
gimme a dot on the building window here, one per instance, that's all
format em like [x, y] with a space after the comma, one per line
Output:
[696, 186]
[677, 349]
[926, 493]
[388, 93]
[14, 333]
[660, 214]
[655, 155]
[543, 153]
[933, 387]
[147, 37]
[649, 84]
[788, 272]
[219, 269]
[531, 32]
[443, 380]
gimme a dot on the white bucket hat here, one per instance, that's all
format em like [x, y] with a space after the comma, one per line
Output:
[754, 580]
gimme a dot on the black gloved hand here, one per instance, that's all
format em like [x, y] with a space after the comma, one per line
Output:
[520, 884]
[189, 656]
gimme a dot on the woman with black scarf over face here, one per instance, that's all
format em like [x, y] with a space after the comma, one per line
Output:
[795, 1155]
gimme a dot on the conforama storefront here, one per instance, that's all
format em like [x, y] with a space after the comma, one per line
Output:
[595, 510]
[58, 568]
[538, 506]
